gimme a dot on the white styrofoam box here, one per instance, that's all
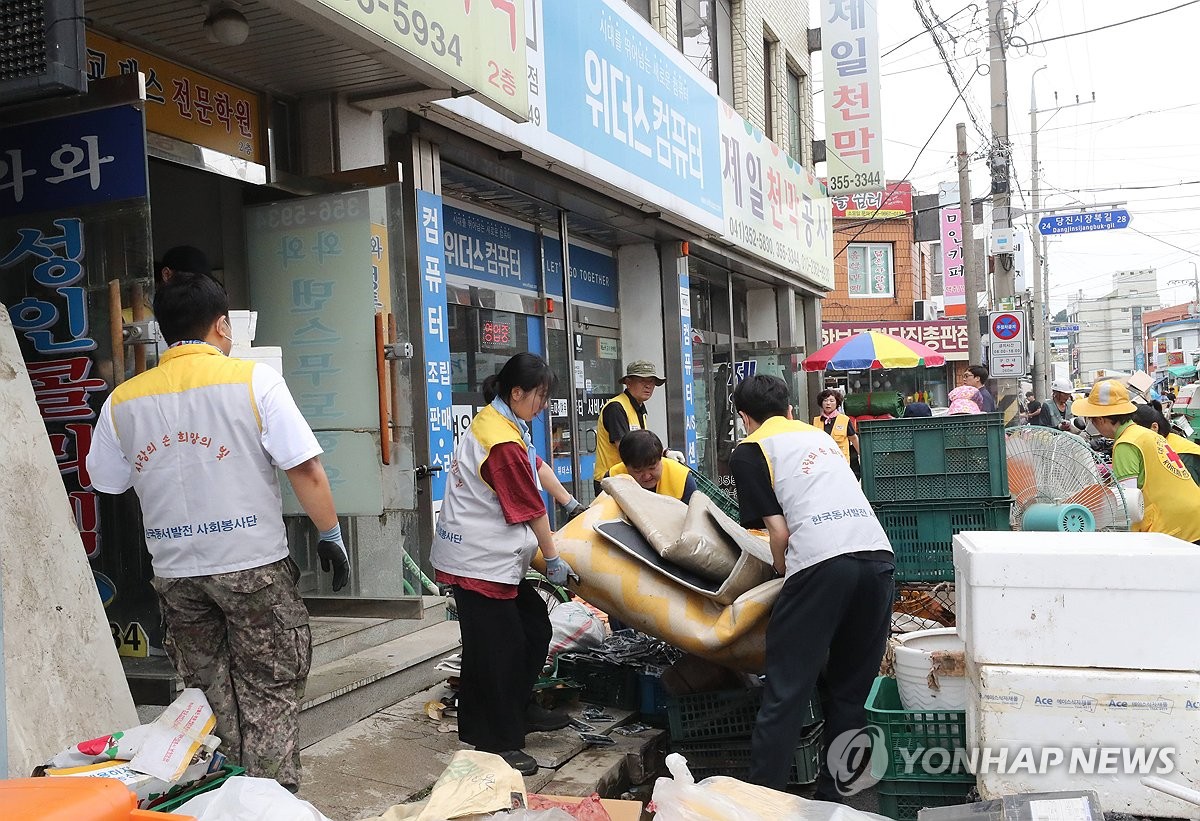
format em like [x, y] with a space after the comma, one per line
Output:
[244, 325]
[269, 355]
[1115, 600]
[1011, 708]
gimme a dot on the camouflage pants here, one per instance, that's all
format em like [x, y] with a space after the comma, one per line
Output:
[243, 638]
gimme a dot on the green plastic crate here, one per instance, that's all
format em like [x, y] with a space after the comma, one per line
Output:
[603, 682]
[722, 714]
[731, 757]
[723, 500]
[907, 734]
[940, 457]
[903, 800]
[922, 533]
[186, 794]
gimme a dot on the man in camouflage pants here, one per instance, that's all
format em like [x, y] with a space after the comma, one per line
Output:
[199, 437]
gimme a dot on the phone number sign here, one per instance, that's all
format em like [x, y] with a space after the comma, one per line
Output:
[1007, 349]
[479, 44]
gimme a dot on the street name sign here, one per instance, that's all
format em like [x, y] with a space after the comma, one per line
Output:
[1084, 222]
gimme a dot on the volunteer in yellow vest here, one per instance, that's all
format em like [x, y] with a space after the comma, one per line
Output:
[838, 425]
[1143, 460]
[1151, 417]
[834, 609]
[642, 457]
[201, 437]
[624, 412]
[492, 522]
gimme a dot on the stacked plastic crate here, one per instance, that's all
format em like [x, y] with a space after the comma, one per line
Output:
[931, 478]
[712, 731]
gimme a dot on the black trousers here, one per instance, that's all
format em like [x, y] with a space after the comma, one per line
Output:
[504, 644]
[834, 615]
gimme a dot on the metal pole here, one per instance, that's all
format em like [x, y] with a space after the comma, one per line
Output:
[1044, 276]
[1002, 276]
[1040, 315]
[564, 238]
[967, 219]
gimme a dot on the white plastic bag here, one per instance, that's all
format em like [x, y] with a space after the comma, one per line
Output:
[250, 799]
[720, 798]
[576, 629]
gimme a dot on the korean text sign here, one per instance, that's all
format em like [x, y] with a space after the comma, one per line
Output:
[944, 337]
[690, 446]
[310, 266]
[437, 341]
[621, 96]
[182, 103]
[869, 271]
[953, 265]
[73, 161]
[773, 207]
[894, 201]
[479, 43]
[853, 117]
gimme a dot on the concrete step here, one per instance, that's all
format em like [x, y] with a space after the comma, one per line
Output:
[336, 638]
[348, 689]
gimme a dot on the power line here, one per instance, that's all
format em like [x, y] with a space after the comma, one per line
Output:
[958, 86]
[917, 159]
[1109, 26]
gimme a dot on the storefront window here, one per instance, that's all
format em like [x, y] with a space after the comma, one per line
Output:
[706, 38]
[481, 341]
[870, 272]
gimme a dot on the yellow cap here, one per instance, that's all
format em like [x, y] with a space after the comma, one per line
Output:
[1108, 398]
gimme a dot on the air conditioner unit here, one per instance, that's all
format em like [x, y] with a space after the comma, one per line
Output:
[924, 310]
[42, 53]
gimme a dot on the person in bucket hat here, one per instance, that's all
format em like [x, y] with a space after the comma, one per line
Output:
[1142, 460]
[624, 412]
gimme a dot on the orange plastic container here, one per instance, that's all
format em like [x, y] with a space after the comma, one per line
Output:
[74, 799]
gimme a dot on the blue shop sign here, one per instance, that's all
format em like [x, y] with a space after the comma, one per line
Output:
[593, 275]
[66, 162]
[618, 94]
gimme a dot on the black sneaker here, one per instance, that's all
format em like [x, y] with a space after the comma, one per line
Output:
[520, 761]
[538, 719]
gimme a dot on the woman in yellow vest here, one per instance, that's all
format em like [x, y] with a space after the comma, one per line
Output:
[1152, 418]
[838, 425]
[642, 457]
[1144, 461]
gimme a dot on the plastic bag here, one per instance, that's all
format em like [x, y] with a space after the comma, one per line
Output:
[720, 798]
[576, 629]
[250, 799]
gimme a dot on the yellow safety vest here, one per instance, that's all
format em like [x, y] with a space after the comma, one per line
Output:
[1172, 499]
[606, 452]
[840, 431]
[672, 482]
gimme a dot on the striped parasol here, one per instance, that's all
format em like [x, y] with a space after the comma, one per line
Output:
[872, 350]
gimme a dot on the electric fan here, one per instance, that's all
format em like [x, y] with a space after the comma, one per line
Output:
[1057, 484]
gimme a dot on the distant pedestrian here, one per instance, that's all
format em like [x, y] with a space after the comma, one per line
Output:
[977, 377]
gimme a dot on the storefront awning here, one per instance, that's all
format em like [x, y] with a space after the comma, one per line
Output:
[1182, 371]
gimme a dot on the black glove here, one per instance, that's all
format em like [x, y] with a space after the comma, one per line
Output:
[573, 508]
[333, 557]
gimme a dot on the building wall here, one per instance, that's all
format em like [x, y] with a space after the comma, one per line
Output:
[1171, 313]
[1107, 337]
[839, 306]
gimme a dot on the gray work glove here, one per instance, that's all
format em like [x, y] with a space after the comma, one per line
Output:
[332, 553]
[558, 571]
[573, 508]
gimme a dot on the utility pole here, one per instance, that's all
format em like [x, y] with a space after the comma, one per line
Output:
[1042, 372]
[967, 219]
[1002, 270]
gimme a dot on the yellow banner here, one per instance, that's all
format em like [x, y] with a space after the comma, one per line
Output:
[182, 103]
[480, 43]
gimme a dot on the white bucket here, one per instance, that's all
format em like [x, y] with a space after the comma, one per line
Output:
[913, 663]
[243, 325]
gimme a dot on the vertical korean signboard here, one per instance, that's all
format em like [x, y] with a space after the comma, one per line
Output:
[774, 208]
[311, 269]
[71, 189]
[689, 377]
[437, 344]
[954, 281]
[622, 97]
[853, 116]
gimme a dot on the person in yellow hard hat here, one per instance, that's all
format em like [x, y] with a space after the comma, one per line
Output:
[1144, 460]
[624, 412]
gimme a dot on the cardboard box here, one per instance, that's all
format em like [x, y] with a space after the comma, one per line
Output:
[145, 787]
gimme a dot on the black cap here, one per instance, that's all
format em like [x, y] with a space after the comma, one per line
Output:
[185, 258]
